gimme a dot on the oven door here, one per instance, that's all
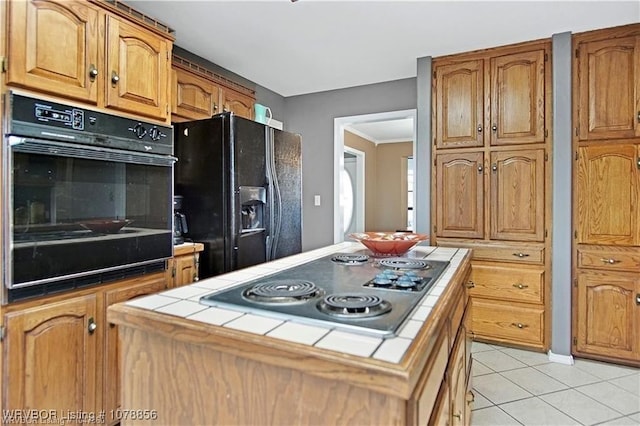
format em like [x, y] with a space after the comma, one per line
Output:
[73, 211]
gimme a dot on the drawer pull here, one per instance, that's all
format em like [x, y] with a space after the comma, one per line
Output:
[471, 397]
[519, 325]
[638, 299]
[471, 284]
[520, 255]
[610, 261]
[521, 286]
[457, 416]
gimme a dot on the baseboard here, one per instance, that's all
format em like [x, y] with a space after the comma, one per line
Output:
[561, 359]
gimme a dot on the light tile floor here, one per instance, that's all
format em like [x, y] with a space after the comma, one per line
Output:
[517, 387]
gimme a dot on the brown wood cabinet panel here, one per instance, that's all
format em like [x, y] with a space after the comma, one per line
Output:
[51, 356]
[608, 191]
[238, 103]
[517, 195]
[608, 315]
[458, 383]
[518, 98]
[459, 108]
[609, 258]
[111, 372]
[608, 88]
[519, 283]
[508, 322]
[53, 46]
[194, 97]
[460, 195]
[442, 411]
[138, 68]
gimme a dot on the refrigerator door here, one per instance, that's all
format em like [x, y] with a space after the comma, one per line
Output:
[285, 204]
[248, 182]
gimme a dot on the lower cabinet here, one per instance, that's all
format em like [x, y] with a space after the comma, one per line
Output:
[184, 267]
[60, 354]
[51, 356]
[607, 317]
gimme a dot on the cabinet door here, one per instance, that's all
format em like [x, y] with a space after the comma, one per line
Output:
[460, 195]
[608, 107]
[51, 356]
[518, 98]
[53, 47]
[193, 97]
[185, 269]
[608, 192]
[459, 96]
[608, 318]
[111, 372]
[238, 103]
[457, 371]
[517, 195]
[137, 79]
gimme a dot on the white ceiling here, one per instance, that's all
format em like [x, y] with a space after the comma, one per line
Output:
[316, 45]
[399, 130]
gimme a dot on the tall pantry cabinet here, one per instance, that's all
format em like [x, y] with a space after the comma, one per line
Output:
[606, 182]
[491, 180]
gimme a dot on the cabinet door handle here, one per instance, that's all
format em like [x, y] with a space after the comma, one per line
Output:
[494, 167]
[638, 299]
[471, 397]
[479, 128]
[471, 284]
[521, 286]
[519, 325]
[638, 163]
[480, 169]
[494, 128]
[93, 72]
[91, 328]
[638, 116]
[520, 255]
[610, 261]
[114, 77]
[215, 106]
[457, 416]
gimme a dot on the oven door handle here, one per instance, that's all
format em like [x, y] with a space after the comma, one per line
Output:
[64, 149]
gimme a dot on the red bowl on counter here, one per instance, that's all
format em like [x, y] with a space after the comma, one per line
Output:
[389, 243]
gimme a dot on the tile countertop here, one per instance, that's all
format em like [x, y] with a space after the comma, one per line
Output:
[184, 302]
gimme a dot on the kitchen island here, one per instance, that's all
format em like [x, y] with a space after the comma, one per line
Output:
[188, 363]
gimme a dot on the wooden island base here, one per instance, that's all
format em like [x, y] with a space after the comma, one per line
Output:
[188, 372]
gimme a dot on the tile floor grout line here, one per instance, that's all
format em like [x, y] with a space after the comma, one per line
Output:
[555, 408]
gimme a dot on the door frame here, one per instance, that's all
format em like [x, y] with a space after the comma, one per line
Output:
[359, 188]
[339, 124]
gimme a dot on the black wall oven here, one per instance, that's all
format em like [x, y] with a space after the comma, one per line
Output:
[87, 197]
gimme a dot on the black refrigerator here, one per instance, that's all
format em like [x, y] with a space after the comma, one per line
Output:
[242, 188]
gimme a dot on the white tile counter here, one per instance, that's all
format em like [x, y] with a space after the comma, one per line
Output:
[183, 302]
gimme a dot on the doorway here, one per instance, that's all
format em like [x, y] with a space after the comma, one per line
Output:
[393, 126]
[352, 191]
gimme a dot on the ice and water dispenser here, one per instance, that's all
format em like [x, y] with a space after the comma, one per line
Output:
[252, 201]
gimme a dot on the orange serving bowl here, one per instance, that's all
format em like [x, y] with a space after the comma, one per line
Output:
[389, 243]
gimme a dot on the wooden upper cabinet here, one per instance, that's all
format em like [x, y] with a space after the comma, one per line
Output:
[238, 103]
[459, 104]
[608, 318]
[194, 97]
[517, 195]
[138, 68]
[54, 46]
[51, 355]
[518, 98]
[460, 195]
[608, 88]
[608, 192]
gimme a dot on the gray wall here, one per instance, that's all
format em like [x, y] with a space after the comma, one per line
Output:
[313, 116]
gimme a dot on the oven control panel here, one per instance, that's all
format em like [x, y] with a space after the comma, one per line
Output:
[37, 118]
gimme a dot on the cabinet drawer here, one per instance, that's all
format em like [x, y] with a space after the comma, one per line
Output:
[519, 283]
[609, 258]
[516, 323]
[510, 254]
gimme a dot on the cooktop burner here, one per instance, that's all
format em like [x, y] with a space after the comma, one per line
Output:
[352, 305]
[350, 258]
[348, 291]
[404, 263]
[282, 291]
